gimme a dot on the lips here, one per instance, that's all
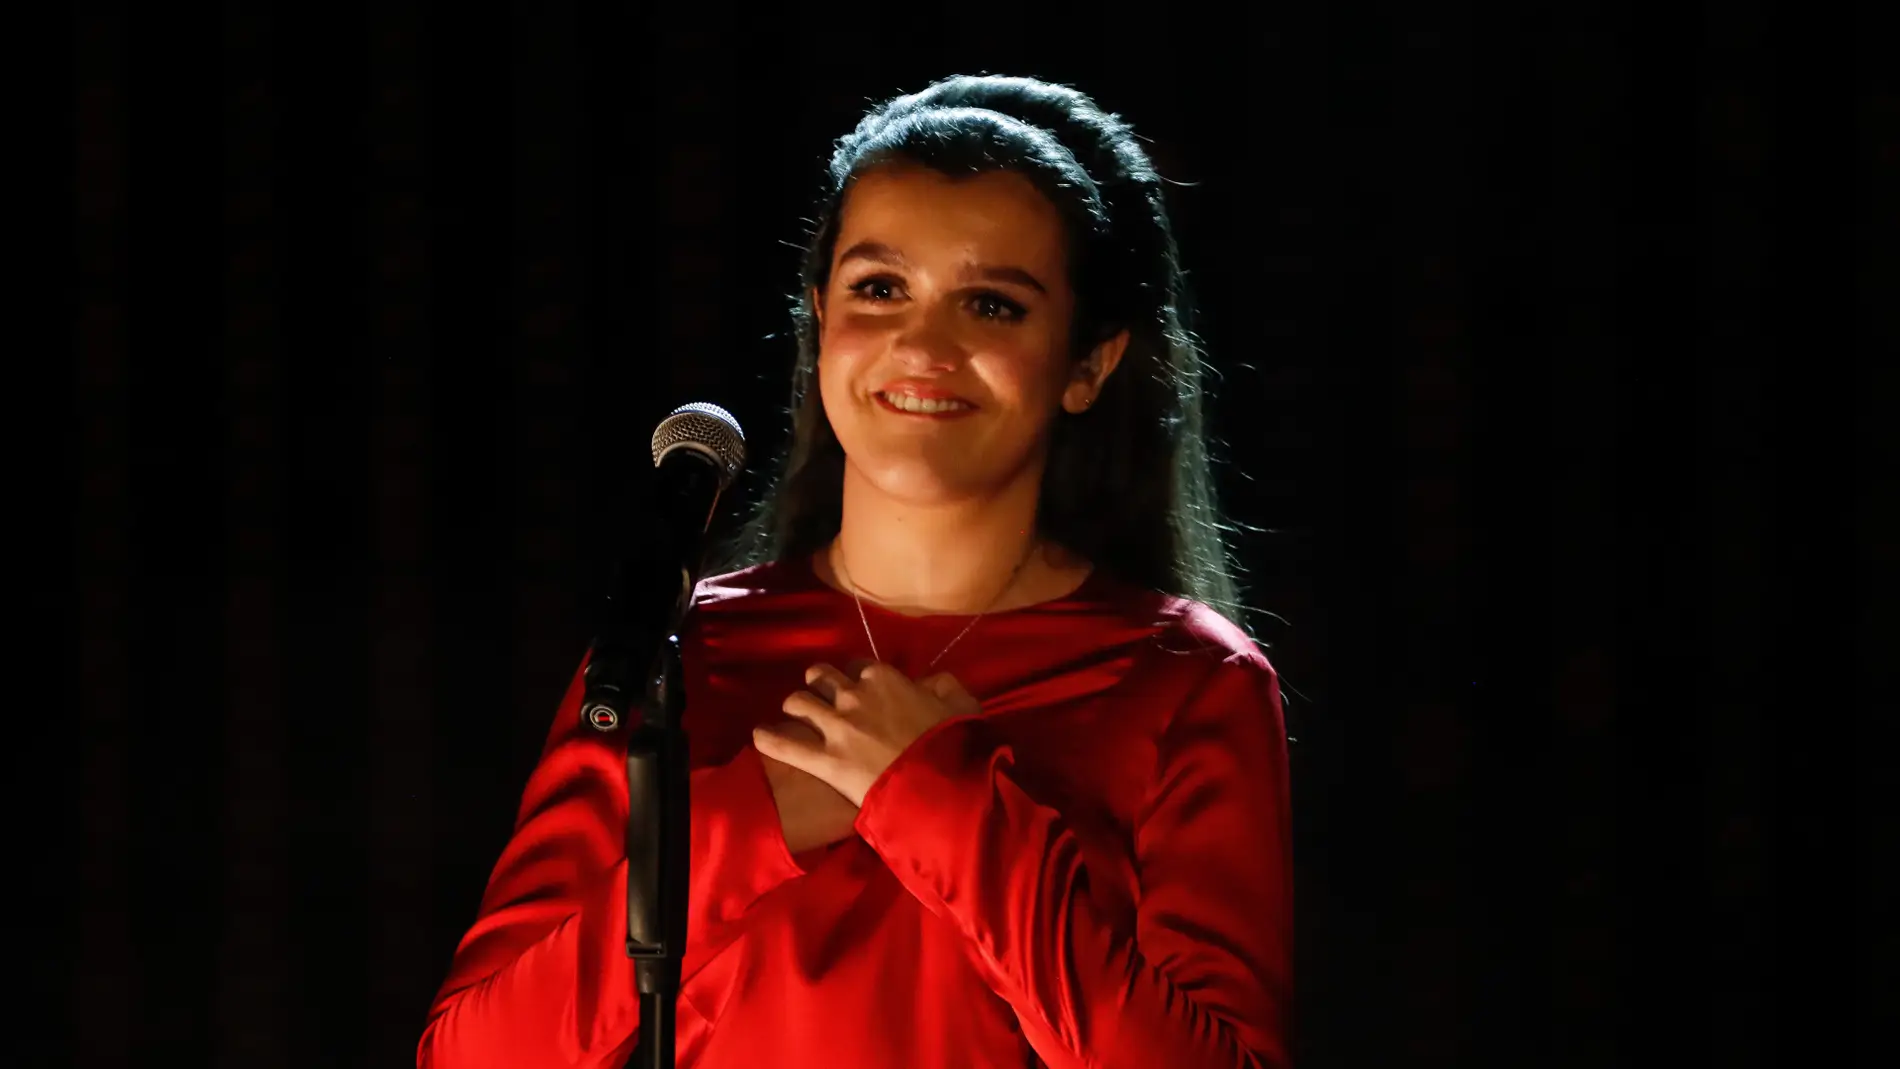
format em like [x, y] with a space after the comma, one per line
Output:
[924, 408]
[922, 389]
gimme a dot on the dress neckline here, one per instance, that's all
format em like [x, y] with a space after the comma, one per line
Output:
[1091, 589]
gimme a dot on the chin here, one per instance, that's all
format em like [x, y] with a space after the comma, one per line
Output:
[916, 480]
[920, 486]
[927, 470]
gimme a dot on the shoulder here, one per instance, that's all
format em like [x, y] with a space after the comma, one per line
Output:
[766, 590]
[1216, 685]
[767, 596]
[1204, 632]
[1199, 665]
[732, 587]
[1194, 634]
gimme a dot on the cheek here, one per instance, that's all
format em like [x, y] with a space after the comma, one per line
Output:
[1024, 366]
[844, 356]
[846, 338]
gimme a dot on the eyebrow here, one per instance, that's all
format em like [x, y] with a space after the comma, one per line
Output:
[879, 253]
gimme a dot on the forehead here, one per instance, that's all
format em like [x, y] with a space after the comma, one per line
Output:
[992, 217]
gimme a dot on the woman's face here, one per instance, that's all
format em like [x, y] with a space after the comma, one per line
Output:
[949, 291]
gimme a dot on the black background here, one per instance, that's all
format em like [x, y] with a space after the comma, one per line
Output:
[1549, 342]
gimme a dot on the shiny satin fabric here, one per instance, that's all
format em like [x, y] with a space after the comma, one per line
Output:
[1095, 871]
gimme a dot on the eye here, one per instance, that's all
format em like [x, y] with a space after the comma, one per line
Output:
[877, 288]
[990, 305]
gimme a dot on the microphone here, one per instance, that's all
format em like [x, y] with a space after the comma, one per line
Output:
[698, 449]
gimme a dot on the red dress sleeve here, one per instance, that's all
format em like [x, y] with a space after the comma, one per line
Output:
[1200, 976]
[543, 977]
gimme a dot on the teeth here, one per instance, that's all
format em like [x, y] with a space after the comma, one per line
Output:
[918, 404]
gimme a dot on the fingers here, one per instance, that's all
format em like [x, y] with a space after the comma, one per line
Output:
[949, 690]
[796, 732]
[794, 740]
[792, 744]
[852, 672]
[840, 688]
[812, 709]
[943, 685]
[827, 682]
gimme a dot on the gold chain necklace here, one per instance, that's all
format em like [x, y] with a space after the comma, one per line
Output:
[966, 628]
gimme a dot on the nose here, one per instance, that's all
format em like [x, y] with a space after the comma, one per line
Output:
[926, 344]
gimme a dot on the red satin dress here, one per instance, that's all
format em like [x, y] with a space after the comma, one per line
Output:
[1095, 872]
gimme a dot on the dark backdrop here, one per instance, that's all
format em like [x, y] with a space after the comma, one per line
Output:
[1529, 334]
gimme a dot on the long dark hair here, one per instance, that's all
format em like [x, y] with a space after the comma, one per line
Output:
[1128, 483]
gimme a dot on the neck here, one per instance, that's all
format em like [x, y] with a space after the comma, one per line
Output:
[954, 557]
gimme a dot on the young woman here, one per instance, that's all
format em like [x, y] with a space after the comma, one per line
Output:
[982, 776]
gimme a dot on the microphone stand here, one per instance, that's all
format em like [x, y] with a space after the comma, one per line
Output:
[706, 449]
[658, 804]
[659, 796]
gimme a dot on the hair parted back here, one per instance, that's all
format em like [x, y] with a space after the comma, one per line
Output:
[1128, 483]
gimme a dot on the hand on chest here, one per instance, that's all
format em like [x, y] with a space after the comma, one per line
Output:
[1076, 744]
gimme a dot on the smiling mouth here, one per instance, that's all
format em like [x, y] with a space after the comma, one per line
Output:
[940, 408]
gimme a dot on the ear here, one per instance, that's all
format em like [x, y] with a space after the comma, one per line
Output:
[1086, 378]
[818, 308]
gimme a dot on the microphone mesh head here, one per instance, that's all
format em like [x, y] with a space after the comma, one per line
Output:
[706, 429]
